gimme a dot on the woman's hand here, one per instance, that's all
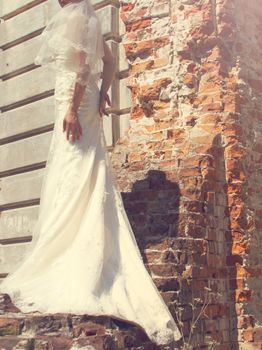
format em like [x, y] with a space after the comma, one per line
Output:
[72, 125]
[104, 98]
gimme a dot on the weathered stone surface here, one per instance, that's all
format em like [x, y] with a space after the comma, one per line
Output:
[195, 131]
[34, 331]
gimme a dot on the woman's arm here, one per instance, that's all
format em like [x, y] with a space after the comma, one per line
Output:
[71, 123]
[79, 90]
[109, 70]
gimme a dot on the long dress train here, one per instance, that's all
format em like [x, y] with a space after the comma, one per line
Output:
[83, 257]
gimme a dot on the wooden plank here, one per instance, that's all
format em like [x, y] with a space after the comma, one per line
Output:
[108, 17]
[35, 82]
[7, 7]
[31, 116]
[11, 255]
[25, 152]
[21, 187]
[123, 63]
[34, 149]
[19, 26]
[121, 126]
[19, 57]
[41, 113]
[125, 97]
[18, 222]
[36, 115]
[124, 124]
[107, 126]
[26, 85]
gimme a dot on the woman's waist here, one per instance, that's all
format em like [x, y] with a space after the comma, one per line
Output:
[65, 85]
[67, 79]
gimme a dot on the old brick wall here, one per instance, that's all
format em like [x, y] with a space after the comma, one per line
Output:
[189, 166]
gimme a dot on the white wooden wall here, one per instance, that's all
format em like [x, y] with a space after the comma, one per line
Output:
[27, 114]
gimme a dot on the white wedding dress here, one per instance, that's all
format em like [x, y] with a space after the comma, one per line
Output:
[84, 258]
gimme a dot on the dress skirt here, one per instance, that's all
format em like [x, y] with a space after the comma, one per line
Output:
[83, 257]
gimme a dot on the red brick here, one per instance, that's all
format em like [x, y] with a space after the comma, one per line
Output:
[248, 335]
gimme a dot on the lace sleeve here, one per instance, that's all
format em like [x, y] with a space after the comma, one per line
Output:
[79, 46]
[75, 35]
[79, 64]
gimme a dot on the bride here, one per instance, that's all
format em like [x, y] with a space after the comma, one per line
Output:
[83, 257]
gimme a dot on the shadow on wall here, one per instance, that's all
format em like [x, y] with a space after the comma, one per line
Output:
[153, 208]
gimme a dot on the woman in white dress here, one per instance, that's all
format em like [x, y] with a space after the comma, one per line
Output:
[83, 257]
